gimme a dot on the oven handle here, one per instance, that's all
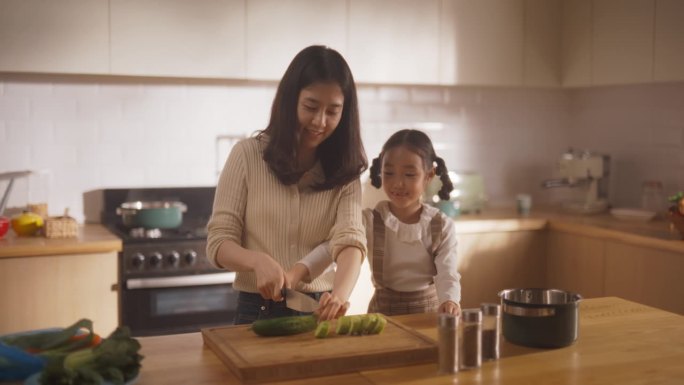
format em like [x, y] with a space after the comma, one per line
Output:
[188, 280]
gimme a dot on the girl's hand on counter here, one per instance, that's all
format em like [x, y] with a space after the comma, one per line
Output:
[450, 307]
[331, 307]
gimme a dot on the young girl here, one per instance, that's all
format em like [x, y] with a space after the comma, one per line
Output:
[411, 245]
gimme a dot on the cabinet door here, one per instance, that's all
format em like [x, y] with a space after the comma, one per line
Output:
[623, 41]
[669, 41]
[56, 291]
[576, 43]
[542, 43]
[394, 41]
[645, 275]
[575, 263]
[69, 36]
[491, 262]
[488, 41]
[203, 38]
[278, 29]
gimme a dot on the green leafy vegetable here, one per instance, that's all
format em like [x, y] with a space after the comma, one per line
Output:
[116, 360]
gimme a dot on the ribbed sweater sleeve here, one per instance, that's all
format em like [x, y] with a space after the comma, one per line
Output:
[255, 210]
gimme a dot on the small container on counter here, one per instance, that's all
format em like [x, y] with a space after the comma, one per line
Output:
[470, 338]
[448, 343]
[491, 326]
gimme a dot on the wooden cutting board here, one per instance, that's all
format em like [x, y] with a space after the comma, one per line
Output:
[259, 359]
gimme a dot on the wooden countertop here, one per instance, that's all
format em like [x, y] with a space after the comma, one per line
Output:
[620, 342]
[654, 234]
[92, 238]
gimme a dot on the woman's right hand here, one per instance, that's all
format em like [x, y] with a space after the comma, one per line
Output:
[270, 278]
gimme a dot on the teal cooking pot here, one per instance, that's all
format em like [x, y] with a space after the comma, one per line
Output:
[152, 215]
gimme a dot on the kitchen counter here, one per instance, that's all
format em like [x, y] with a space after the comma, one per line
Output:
[92, 238]
[620, 342]
[655, 233]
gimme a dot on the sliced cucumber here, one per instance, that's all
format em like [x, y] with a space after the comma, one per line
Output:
[322, 329]
[380, 326]
[344, 325]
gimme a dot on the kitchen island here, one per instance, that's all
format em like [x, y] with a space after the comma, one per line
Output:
[620, 342]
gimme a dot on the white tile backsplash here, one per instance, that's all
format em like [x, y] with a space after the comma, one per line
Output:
[100, 132]
[14, 108]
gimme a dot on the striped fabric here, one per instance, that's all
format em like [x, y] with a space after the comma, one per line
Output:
[391, 302]
[253, 209]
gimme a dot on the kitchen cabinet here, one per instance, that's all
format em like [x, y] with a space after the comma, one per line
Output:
[493, 261]
[58, 290]
[596, 266]
[69, 36]
[575, 263]
[488, 42]
[542, 43]
[576, 43]
[622, 41]
[278, 29]
[644, 275]
[178, 38]
[609, 42]
[394, 41]
[669, 41]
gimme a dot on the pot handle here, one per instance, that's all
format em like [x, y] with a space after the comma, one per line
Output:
[528, 311]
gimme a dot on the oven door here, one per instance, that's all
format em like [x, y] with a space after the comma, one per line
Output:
[178, 304]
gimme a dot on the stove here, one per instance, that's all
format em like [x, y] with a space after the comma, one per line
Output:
[166, 283]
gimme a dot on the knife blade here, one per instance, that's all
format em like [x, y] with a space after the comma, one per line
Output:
[299, 301]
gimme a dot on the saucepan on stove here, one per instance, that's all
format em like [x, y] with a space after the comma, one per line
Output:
[152, 214]
[540, 318]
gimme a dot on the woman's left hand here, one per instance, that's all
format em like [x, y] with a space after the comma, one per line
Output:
[450, 307]
[331, 307]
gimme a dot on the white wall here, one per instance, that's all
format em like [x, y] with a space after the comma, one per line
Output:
[98, 132]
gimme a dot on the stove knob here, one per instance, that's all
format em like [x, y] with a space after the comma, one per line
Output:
[155, 259]
[138, 260]
[190, 257]
[173, 258]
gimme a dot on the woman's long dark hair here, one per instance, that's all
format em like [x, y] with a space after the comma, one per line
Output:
[419, 143]
[342, 154]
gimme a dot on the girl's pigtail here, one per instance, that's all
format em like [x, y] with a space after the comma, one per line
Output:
[443, 173]
[376, 181]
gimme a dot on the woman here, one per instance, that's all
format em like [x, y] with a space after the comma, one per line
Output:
[292, 187]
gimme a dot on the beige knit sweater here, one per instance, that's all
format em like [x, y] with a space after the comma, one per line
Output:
[255, 210]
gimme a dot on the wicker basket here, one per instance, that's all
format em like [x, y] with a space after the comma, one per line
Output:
[61, 227]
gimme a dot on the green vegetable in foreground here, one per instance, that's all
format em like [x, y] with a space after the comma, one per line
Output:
[116, 360]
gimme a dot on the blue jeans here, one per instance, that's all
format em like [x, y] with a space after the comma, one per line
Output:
[251, 307]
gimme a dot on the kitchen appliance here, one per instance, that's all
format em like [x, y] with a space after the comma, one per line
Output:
[467, 197]
[586, 174]
[541, 318]
[166, 283]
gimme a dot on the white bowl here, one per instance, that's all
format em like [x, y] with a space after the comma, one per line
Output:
[629, 214]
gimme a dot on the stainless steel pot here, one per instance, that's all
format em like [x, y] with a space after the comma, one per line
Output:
[541, 318]
[152, 215]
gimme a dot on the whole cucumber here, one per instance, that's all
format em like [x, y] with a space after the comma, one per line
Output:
[284, 326]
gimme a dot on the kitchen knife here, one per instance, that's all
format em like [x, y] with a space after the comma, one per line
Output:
[299, 301]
